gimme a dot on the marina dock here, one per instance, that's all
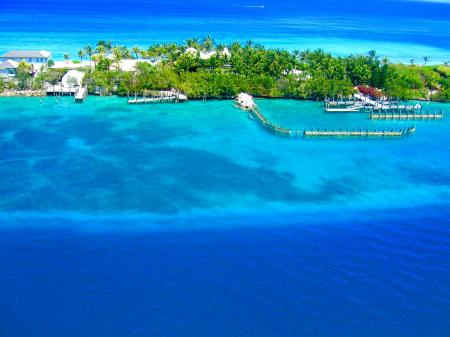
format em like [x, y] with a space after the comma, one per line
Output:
[362, 103]
[359, 133]
[158, 97]
[406, 116]
[246, 103]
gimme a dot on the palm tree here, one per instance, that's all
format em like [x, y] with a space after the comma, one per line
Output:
[372, 54]
[412, 61]
[81, 54]
[137, 51]
[108, 45]
[101, 49]
[66, 57]
[297, 54]
[249, 44]
[426, 59]
[208, 43]
[89, 51]
[192, 43]
[117, 56]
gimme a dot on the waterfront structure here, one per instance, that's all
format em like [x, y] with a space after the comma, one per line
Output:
[245, 102]
[71, 84]
[361, 103]
[161, 96]
[73, 78]
[39, 57]
[8, 68]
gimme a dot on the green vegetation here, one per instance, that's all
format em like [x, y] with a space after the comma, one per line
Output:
[203, 68]
[259, 71]
[24, 75]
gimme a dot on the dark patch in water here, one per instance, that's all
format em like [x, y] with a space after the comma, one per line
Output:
[159, 180]
[426, 175]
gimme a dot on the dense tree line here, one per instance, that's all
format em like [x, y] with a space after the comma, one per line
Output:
[252, 68]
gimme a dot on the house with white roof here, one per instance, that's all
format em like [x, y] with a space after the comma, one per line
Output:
[206, 55]
[73, 78]
[29, 56]
[8, 68]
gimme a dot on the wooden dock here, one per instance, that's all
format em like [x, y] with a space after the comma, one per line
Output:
[406, 116]
[158, 97]
[80, 95]
[362, 103]
[254, 113]
[359, 133]
[59, 90]
[265, 122]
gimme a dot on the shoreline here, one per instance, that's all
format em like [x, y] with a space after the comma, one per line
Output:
[23, 93]
[43, 94]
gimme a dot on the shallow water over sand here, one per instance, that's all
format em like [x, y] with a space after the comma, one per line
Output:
[105, 157]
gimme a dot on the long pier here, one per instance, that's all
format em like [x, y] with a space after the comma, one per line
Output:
[359, 133]
[270, 125]
[406, 116]
[246, 103]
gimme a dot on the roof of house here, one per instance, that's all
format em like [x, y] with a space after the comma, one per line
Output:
[70, 76]
[9, 64]
[27, 53]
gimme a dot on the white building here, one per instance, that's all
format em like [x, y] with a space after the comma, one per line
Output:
[73, 78]
[8, 68]
[29, 56]
[206, 55]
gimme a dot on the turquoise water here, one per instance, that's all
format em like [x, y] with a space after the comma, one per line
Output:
[191, 220]
[400, 30]
[170, 161]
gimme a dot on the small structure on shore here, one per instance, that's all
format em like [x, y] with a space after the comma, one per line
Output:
[72, 78]
[207, 54]
[71, 84]
[245, 101]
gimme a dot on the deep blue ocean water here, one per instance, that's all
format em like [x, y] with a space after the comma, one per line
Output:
[190, 220]
[399, 29]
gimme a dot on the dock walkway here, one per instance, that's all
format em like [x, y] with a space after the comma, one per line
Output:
[362, 103]
[359, 133]
[406, 116]
[80, 95]
[159, 97]
[284, 131]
